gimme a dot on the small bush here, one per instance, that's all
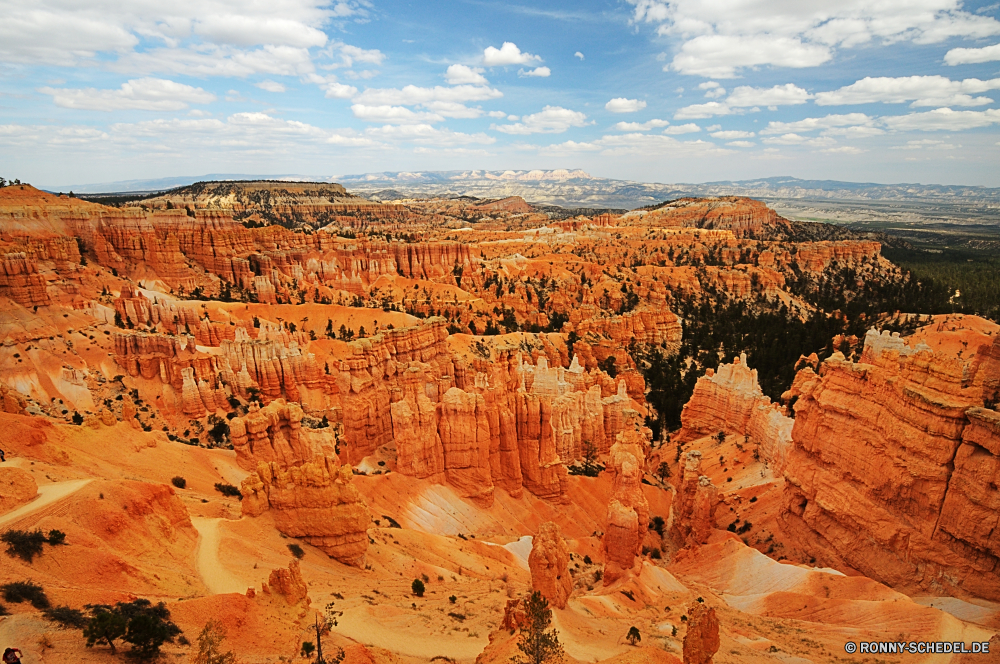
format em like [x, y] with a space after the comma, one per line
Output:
[296, 551]
[24, 544]
[417, 587]
[457, 616]
[587, 560]
[25, 591]
[66, 617]
[4, 611]
[179, 482]
[228, 490]
[56, 537]
[452, 599]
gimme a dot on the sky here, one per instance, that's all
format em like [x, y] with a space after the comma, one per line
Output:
[686, 91]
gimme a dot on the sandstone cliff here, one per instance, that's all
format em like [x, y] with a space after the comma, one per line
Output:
[891, 468]
[549, 565]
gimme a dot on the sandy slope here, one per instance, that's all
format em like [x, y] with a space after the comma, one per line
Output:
[47, 494]
[217, 579]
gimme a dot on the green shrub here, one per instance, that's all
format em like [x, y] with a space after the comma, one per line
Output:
[179, 482]
[296, 551]
[66, 617]
[228, 490]
[417, 587]
[145, 626]
[56, 537]
[24, 544]
[25, 591]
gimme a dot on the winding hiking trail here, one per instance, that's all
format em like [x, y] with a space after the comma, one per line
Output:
[217, 578]
[47, 494]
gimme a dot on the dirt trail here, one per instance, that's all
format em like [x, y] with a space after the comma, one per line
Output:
[216, 577]
[47, 494]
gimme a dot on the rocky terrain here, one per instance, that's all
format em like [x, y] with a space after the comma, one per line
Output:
[274, 404]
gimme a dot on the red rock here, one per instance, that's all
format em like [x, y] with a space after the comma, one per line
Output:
[701, 641]
[549, 565]
[16, 488]
[315, 502]
[288, 583]
[695, 504]
[628, 511]
[890, 465]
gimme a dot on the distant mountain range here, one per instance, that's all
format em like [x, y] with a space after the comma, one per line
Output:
[578, 189]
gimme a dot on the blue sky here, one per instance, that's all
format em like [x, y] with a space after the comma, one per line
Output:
[690, 91]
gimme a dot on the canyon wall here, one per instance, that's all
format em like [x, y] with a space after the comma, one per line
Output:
[893, 467]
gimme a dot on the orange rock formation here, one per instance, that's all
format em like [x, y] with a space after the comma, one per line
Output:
[701, 641]
[549, 565]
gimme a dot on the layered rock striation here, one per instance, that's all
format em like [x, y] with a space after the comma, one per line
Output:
[893, 467]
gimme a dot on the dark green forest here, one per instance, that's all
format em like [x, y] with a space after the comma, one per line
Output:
[974, 273]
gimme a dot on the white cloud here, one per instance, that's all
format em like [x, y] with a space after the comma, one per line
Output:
[788, 94]
[550, 120]
[425, 133]
[578, 54]
[922, 90]
[351, 54]
[222, 61]
[969, 56]
[811, 124]
[452, 109]
[636, 144]
[718, 39]
[926, 143]
[706, 110]
[387, 114]
[332, 88]
[508, 54]
[741, 144]
[147, 94]
[641, 126]
[270, 86]
[459, 74]
[541, 72]
[797, 139]
[412, 94]
[712, 89]
[676, 130]
[498, 114]
[73, 33]
[943, 119]
[720, 56]
[729, 135]
[844, 149]
[623, 105]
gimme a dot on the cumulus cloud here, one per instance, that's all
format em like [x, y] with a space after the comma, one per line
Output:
[550, 120]
[67, 34]
[641, 126]
[638, 145]
[969, 56]
[732, 134]
[623, 105]
[812, 124]
[332, 87]
[676, 130]
[712, 89]
[921, 90]
[146, 94]
[270, 86]
[719, 41]
[387, 114]
[578, 54]
[462, 74]
[508, 54]
[926, 144]
[706, 110]
[425, 133]
[541, 72]
[788, 94]
[741, 144]
[452, 109]
[943, 119]
[721, 56]
[412, 94]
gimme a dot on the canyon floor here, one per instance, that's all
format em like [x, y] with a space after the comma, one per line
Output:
[718, 409]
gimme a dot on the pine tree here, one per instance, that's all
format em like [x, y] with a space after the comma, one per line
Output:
[538, 644]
